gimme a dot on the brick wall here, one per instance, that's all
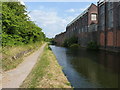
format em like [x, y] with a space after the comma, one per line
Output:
[118, 38]
[93, 9]
[60, 38]
[102, 39]
[110, 39]
[82, 23]
[86, 37]
[110, 35]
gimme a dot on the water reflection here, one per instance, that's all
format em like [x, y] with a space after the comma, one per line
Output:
[89, 69]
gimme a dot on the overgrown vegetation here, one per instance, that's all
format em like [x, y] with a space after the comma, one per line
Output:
[46, 74]
[19, 34]
[75, 46]
[92, 46]
[17, 29]
[70, 41]
[8, 62]
[48, 39]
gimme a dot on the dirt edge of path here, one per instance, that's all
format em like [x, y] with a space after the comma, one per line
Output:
[14, 78]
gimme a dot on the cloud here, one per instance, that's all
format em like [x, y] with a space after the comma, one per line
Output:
[77, 10]
[21, 2]
[54, 0]
[82, 9]
[49, 21]
[71, 10]
[60, 0]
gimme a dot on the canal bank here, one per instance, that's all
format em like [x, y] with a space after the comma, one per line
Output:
[89, 69]
[47, 73]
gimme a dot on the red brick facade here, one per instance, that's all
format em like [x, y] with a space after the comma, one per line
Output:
[102, 39]
[108, 25]
[60, 38]
[105, 29]
[118, 38]
[83, 26]
[110, 39]
[92, 10]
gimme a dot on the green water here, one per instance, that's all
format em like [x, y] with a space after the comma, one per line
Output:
[89, 69]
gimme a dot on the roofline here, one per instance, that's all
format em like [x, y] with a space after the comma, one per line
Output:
[60, 34]
[84, 12]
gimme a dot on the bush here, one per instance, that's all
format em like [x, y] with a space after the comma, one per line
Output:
[70, 41]
[75, 46]
[93, 45]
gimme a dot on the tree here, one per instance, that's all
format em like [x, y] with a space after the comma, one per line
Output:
[16, 26]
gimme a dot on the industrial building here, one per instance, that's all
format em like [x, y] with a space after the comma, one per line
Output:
[109, 25]
[99, 23]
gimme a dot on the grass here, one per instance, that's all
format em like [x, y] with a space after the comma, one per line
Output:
[8, 52]
[46, 73]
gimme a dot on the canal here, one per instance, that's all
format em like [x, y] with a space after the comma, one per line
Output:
[89, 69]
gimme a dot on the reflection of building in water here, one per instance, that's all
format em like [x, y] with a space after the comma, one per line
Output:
[98, 69]
[110, 61]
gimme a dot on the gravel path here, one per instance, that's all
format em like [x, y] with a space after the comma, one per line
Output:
[15, 77]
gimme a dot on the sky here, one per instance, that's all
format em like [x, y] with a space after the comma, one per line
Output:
[53, 17]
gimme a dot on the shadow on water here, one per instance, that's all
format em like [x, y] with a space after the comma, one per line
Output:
[89, 69]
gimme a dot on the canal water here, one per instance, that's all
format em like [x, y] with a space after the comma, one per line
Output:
[89, 69]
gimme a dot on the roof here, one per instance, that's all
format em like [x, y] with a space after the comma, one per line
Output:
[80, 15]
[60, 34]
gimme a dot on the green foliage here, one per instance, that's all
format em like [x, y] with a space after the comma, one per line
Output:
[70, 41]
[17, 28]
[75, 46]
[48, 39]
[52, 42]
[92, 46]
[10, 40]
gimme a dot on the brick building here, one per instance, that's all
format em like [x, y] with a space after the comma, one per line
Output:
[83, 26]
[60, 38]
[109, 25]
[97, 23]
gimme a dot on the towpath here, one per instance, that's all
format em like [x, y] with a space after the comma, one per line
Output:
[15, 77]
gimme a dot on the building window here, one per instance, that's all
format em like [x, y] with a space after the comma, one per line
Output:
[79, 31]
[93, 16]
[110, 14]
[82, 29]
[102, 17]
[110, 18]
[119, 16]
